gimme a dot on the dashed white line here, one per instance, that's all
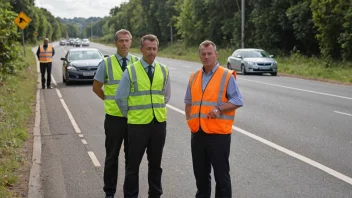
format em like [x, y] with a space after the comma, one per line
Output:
[84, 141]
[74, 124]
[94, 159]
[286, 151]
[343, 113]
[52, 79]
[80, 135]
[58, 93]
[297, 89]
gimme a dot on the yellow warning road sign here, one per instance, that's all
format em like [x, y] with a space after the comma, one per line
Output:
[22, 20]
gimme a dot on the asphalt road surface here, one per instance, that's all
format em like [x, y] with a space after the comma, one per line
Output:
[292, 138]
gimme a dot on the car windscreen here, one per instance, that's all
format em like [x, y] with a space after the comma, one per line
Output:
[254, 54]
[84, 55]
[85, 40]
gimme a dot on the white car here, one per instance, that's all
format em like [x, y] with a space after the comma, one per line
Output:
[85, 42]
[252, 61]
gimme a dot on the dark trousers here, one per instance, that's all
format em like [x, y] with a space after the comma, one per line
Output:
[46, 67]
[211, 150]
[116, 133]
[151, 137]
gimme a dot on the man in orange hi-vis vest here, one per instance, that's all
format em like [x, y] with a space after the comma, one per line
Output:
[45, 54]
[211, 100]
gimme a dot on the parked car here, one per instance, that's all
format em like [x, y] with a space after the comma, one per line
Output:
[250, 60]
[80, 64]
[62, 42]
[85, 42]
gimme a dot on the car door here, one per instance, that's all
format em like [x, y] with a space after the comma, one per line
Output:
[237, 61]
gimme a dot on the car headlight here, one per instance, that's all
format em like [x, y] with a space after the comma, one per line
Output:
[251, 63]
[71, 68]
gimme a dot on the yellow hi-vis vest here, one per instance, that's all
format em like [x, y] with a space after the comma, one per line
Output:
[45, 56]
[147, 100]
[114, 74]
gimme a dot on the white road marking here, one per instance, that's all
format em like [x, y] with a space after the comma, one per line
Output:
[297, 89]
[94, 159]
[74, 124]
[171, 68]
[343, 113]
[186, 66]
[80, 135]
[84, 141]
[53, 79]
[286, 151]
[58, 93]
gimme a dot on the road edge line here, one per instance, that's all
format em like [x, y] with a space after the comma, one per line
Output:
[34, 183]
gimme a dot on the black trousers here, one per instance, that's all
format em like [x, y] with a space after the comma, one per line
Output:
[46, 67]
[141, 137]
[211, 150]
[115, 134]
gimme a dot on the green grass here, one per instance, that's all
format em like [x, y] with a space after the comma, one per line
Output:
[17, 95]
[296, 65]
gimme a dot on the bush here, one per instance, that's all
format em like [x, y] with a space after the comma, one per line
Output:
[10, 58]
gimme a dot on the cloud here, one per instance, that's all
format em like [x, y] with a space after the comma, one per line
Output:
[78, 8]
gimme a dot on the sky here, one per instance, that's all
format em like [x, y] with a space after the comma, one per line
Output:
[79, 8]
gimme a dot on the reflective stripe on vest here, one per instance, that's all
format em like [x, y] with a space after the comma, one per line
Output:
[114, 74]
[213, 96]
[147, 100]
[45, 56]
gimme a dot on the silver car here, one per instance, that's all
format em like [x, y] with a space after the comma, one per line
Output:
[252, 61]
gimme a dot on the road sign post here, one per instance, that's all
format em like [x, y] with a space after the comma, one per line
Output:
[22, 20]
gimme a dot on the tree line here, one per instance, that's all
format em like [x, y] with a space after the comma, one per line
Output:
[310, 27]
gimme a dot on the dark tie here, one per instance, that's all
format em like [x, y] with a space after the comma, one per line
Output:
[150, 73]
[124, 64]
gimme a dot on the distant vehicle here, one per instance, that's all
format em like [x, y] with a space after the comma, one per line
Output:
[77, 43]
[85, 42]
[80, 64]
[62, 42]
[249, 60]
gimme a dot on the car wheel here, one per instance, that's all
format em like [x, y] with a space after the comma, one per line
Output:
[243, 70]
[274, 73]
[228, 66]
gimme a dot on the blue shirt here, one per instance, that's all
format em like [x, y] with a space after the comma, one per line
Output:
[123, 91]
[232, 92]
[101, 75]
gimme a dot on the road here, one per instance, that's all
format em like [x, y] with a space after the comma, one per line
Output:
[292, 138]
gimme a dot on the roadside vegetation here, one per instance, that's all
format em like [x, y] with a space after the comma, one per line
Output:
[17, 95]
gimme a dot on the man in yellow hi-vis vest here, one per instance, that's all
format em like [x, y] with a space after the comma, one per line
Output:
[109, 74]
[45, 55]
[142, 96]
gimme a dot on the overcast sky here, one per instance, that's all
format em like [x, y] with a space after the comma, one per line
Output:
[79, 8]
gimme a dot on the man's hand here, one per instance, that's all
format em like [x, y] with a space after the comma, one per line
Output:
[214, 113]
[97, 89]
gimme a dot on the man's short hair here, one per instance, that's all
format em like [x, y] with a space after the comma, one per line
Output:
[46, 39]
[206, 43]
[122, 31]
[149, 37]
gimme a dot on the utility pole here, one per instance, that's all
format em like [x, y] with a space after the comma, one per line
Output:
[242, 25]
[91, 29]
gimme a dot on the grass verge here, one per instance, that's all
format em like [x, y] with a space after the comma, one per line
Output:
[17, 96]
[296, 65]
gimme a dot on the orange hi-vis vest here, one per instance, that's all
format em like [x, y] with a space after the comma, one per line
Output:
[45, 56]
[214, 95]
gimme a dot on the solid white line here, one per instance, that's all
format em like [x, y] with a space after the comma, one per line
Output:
[80, 135]
[74, 124]
[343, 113]
[84, 141]
[186, 66]
[297, 89]
[58, 93]
[284, 150]
[34, 183]
[53, 79]
[94, 159]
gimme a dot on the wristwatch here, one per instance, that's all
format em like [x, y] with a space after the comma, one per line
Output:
[217, 111]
